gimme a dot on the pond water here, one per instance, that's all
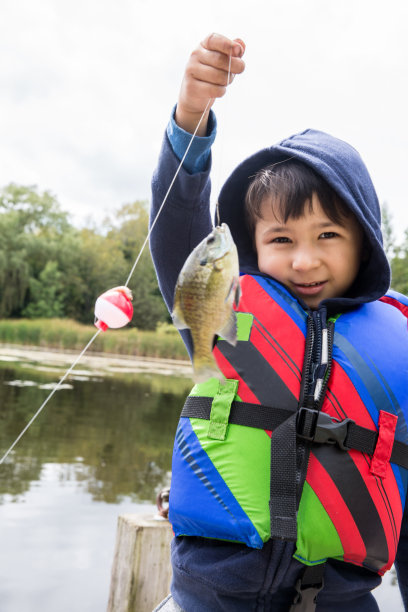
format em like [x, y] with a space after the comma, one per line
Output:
[101, 447]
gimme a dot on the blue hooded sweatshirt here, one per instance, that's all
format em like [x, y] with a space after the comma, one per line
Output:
[209, 575]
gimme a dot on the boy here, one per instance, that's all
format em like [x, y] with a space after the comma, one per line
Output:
[310, 513]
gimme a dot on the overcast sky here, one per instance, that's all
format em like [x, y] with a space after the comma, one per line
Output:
[87, 86]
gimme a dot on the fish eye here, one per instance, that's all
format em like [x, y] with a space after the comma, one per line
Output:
[210, 239]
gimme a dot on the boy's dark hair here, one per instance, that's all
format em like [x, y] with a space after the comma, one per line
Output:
[291, 184]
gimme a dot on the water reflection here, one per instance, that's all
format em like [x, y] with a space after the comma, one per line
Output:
[121, 428]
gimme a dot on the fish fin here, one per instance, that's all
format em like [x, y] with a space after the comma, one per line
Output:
[234, 289]
[178, 321]
[205, 368]
[229, 331]
[177, 314]
[238, 294]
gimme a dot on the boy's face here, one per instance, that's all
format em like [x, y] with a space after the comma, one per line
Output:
[312, 256]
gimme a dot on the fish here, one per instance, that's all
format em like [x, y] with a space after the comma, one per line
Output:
[206, 291]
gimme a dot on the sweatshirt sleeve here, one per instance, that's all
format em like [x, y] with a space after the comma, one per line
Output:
[183, 222]
[401, 560]
[199, 147]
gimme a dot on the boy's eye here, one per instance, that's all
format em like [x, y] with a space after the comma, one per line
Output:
[329, 235]
[280, 239]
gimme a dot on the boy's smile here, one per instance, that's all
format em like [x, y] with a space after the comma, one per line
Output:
[315, 257]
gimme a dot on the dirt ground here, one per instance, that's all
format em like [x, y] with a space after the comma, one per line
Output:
[95, 362]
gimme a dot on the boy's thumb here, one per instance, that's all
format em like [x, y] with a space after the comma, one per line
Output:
[238, 48]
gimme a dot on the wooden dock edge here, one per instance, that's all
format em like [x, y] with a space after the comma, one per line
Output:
[141, 570]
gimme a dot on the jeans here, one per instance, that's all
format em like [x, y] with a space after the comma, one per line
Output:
[215, 576]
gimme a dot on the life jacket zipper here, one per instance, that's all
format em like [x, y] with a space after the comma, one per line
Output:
[307, 364]
[315, 378]
[317, 362]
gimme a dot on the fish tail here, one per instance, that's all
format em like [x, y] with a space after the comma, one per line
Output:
[205, 367]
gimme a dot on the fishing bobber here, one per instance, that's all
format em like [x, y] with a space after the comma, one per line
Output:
[114, 308]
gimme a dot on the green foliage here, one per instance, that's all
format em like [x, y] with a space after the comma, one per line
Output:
[397, 253]
[46, 294]
[31, 225]
[48, 268]
[130, 230]
[387, 231]
[34, 211]
[91, 266]
[399, 267]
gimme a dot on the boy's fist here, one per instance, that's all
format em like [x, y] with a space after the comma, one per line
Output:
[206, 77]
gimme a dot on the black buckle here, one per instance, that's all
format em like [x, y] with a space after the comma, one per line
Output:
[318, 426]
[305, 599]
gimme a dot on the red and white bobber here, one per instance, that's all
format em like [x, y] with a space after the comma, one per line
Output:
[114, 308]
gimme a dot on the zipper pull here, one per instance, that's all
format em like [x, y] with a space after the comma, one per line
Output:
[324, 368]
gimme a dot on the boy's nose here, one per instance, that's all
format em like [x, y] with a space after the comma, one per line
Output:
[305, 259]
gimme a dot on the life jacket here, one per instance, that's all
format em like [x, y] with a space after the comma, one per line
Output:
[307, 439]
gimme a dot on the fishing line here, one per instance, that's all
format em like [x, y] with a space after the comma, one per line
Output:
[49, 397]
[210, 101]
[168, 191]
[127, 282]
[221, 156]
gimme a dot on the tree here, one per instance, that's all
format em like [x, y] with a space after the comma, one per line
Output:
[48, 268]
[46, 294]
[94, 266]
[14, 269]
[387, 231]
[34, 210]
[31, 227]
[399, 267]
[130, 230]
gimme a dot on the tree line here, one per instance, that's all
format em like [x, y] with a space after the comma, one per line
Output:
[49, 268]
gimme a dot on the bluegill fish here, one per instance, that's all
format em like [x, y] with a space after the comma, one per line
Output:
[206, 290]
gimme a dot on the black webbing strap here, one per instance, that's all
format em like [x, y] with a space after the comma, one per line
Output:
[308, 588]
[242, 413]
[364, 440]
[282, 500]
[311, 425]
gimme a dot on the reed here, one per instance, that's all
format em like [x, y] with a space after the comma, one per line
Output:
[65, 334]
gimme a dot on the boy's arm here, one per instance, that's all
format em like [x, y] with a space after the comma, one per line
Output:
[183, 221]
[210, 69]
[185, 218]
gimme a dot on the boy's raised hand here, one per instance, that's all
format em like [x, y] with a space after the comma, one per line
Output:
[205, 79]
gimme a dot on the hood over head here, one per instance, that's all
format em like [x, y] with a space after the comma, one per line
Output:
[341, 166]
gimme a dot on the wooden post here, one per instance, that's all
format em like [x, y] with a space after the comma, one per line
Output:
[141, 571]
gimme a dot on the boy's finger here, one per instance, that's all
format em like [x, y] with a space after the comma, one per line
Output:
[218, 42]
[210, 75]
[204, 90]
[220, 61]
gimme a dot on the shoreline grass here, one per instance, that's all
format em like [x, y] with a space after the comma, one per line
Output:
[66, 334]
